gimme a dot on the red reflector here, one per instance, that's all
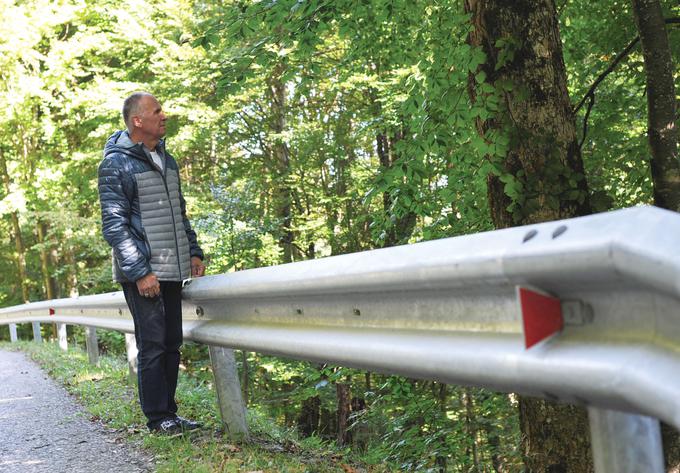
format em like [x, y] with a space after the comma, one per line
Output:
[51, 311]
[541, 315]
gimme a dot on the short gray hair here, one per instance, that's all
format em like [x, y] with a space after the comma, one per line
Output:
[131, 106]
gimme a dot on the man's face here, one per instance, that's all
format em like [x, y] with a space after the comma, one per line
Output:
[150, 120]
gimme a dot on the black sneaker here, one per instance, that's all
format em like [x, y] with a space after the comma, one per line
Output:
[186, 424]
[167, 426]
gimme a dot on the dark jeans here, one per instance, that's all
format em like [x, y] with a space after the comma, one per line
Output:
[158, 332]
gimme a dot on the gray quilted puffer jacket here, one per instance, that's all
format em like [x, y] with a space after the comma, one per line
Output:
[143, 213]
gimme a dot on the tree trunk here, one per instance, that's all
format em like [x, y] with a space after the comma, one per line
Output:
[471, 427]
[308, 420]
[72, 274]
[492, 439]
[18, 239]
[21, 256]
[281, 163]
[671, 448]
[442, 400]
[661, 103]
[542, 178]
[403, 226]
[343, 395]
[555, 437]
[45, 257]
[663, 139]
[48, 281]
[360, 435]
[327, 423]
[342, 215]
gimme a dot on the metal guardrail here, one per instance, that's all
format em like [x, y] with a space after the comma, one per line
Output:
[448, 310]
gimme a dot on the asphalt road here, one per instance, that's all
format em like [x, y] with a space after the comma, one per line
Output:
[43, 429]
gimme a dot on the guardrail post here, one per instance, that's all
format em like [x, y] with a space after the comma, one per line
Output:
[13, 333]
[63, 342]
[92, 345]
[37, 337]
[228, 389]
[625, 443]
[131, 347]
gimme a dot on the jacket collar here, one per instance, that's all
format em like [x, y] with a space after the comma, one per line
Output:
[120, 142]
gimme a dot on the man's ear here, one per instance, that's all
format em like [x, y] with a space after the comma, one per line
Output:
[136, 121]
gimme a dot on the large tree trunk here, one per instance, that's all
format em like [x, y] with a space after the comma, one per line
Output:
[555, 437]
[525, 64]
[544, 168]
[661, 104]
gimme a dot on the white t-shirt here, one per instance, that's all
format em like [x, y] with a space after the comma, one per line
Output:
[157, 159]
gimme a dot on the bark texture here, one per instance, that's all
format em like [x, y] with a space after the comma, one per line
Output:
[661, 103]
[524, 63]
[555, 437]
[343, 396]
[544, 170]
[671, 448]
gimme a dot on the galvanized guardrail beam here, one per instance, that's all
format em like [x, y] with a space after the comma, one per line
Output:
[448, 310]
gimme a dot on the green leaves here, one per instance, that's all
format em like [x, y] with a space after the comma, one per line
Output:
[507, 48]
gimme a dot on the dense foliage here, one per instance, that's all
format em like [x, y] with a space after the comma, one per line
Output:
[303, 129]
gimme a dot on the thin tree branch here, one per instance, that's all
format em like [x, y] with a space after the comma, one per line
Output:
[585, 120]
[619, 57]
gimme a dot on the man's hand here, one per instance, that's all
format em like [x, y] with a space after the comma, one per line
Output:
[148, 286]
[197, 267]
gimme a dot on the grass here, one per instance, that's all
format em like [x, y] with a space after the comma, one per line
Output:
[106, 395]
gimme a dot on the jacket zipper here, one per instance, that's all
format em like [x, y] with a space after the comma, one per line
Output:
[174, 224]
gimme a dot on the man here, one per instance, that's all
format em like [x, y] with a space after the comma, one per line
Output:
[154, 250]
